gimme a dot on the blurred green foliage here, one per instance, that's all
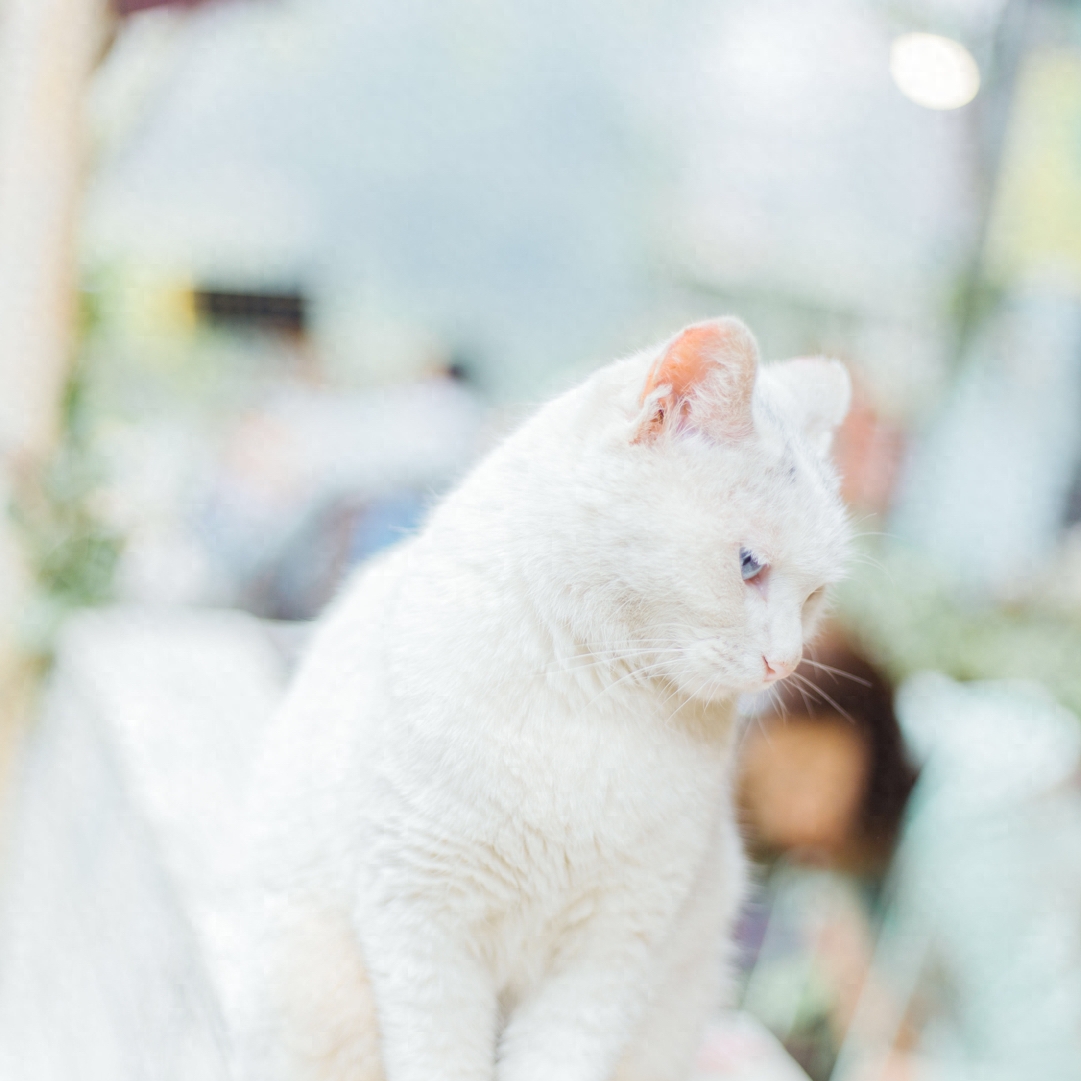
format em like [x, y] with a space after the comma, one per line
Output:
[910, 618]
[71, 551]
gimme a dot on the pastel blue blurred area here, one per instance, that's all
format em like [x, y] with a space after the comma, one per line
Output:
[985, 890]
[546, 184]
[972, 946]
[468, 168]
[385, 522]
[987, 487]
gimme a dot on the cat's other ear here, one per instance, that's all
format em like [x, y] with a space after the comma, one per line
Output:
[819, 391]
[703, 380]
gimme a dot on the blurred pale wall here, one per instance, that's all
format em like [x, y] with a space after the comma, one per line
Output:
[541, 184]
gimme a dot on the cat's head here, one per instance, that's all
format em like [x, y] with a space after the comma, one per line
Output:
[732, 527]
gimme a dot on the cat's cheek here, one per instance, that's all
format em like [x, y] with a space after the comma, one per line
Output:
[812, 614]
[710, 670]
[741, 669]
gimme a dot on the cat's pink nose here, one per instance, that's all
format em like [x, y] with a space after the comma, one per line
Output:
[777, 669]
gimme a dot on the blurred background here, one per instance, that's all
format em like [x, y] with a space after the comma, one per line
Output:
[274, 273]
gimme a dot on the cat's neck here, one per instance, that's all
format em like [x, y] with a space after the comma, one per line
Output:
[628, 684]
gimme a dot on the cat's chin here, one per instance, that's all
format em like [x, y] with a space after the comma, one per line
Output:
[723, 688]
[735, 690]
[717, 696]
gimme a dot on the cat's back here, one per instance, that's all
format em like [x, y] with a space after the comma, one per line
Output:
[433, 621]
[307, 766]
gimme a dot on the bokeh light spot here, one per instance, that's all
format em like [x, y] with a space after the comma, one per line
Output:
[934, 71]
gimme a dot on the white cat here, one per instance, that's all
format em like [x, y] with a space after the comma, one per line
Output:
[496, 836]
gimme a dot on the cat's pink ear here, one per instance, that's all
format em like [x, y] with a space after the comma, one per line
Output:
[702, 380]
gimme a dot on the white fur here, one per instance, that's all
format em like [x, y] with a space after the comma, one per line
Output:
[494, 828]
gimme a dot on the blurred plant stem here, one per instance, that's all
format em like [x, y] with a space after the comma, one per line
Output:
[48, 49]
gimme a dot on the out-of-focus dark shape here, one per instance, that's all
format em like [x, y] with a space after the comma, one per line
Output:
[281, 312]
[827, 749]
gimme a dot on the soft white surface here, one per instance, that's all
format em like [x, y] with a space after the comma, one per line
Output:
[127, 785]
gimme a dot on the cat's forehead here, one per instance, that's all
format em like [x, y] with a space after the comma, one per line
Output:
[793, 511]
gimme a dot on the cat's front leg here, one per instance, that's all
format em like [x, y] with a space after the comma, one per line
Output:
[576, 1024]
[437, 1005]
[690, 970]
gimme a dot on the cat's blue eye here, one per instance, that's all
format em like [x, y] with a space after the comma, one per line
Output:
[749, 567]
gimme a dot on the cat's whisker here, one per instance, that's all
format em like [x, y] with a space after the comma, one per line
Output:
[873, 533]
[633, 672]
[865, 559]
[643, 646]
[685, 698]
[632, 645]
[779, 706]
[779, 703]
[676, 690]
[803, 694]
[868, 516]
[802, 681]
[836, 671]
[765, 731]
[776, 706]
[716, 685]
[614, 659]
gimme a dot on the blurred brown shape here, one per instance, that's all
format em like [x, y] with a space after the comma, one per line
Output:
[824, 772]
[803, 782]
[868, 451]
